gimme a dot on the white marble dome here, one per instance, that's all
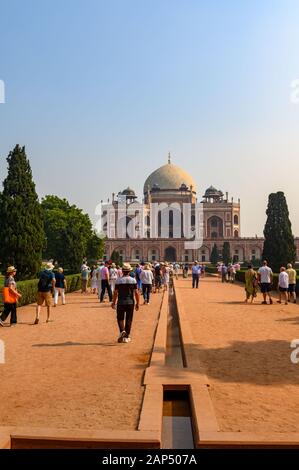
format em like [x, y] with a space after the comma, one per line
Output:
[170, 177]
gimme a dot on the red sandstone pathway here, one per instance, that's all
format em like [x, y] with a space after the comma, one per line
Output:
[72, 373]
[245, 352]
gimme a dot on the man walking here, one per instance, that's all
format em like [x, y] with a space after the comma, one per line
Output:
[105, 277]
[125, 294]
[292, 283]
[265, 277]
[196, 270]
[46, 284]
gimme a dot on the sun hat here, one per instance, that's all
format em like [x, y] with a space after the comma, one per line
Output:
[126, 267]
[113, 265]
[11, 269]
[146, 266]
[49, 266]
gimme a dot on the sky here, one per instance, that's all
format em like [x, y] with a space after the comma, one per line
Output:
[100, 91]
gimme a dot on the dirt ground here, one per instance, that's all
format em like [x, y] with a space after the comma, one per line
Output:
[245, 352]
[72, 373]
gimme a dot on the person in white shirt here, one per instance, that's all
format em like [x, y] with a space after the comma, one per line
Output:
[113, 276]
[146, 277]
[177, 270]
[265, 277]
[283, 285]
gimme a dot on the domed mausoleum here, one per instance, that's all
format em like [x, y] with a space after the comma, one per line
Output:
[134, 229]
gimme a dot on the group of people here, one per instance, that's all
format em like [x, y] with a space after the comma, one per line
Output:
[228, 272]
[103, 278]
[49, 283]
[263, 279]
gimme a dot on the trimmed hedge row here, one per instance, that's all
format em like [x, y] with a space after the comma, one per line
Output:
[211, 269]
[28, 289]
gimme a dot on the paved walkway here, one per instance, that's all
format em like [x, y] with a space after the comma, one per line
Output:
[245, 352]
[72, 373]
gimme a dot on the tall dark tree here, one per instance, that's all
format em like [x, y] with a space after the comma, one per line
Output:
[116, 258]
[22, 235]
[214, 254]
[226, 255]
[279, 247]
[68, 231]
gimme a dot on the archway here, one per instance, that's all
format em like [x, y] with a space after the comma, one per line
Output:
[215, 227]
[170, 254]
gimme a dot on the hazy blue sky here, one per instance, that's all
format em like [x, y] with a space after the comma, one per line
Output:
[100, 91]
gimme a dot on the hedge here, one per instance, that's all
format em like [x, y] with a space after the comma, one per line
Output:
[28, 289]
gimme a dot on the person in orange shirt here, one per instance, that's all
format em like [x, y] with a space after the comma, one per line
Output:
[10, 297]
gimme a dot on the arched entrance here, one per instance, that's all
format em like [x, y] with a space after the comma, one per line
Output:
[170, 254]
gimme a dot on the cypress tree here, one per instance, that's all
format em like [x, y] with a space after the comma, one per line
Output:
[214, 254]
[22, 235]
[279, 247]
[226, 256]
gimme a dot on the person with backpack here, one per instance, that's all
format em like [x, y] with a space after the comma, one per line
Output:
[46, 285]
[10, 297]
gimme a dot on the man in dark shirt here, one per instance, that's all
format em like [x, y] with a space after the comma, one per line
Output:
[45, 286]
[125, 294]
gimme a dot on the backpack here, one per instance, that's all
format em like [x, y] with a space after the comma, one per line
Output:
[43, 283]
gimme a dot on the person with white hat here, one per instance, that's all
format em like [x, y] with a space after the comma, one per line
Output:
[125, 294]
[46, 285]
[10, 297]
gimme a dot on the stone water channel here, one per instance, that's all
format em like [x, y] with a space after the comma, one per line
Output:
[177, 432]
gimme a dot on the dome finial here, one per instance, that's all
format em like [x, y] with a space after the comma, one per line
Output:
[169, 158]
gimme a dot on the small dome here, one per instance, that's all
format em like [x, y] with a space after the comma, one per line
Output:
[213, 192]
[170, 177]
[128, 192]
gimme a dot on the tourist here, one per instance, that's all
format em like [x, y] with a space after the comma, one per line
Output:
[251, 283]
[10, 297]
[60, 287]
[176, 270]
[185, 270]
[137, 276]
[46, 285]
[292, 283]
[100, 266]
[105, 278]
[94, 280]
[125, 295]
[146, 277]
[158, 277]
[113, 272]
[196, 270]
[223, 273]
[232, 273]
[165, 274]
[283, 285]
[203, 270]
[265, 277]
[85, 271]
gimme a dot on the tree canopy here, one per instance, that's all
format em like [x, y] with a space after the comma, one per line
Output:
[279, 247]
[69, 233]
[22, 236]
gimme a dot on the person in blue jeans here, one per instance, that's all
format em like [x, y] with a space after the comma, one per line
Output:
[196, 270]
